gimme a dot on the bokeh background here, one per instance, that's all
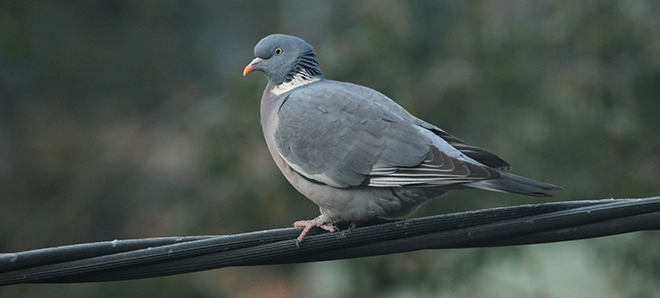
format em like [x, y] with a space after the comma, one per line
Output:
[128, 119]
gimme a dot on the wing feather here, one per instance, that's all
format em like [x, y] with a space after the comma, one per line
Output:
[345, 135]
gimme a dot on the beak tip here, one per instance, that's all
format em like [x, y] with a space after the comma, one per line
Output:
[247, 70]
[254, 64]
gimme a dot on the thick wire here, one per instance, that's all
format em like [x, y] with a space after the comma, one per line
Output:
[143, 258]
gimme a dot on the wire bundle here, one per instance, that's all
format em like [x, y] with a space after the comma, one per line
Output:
[143, 258]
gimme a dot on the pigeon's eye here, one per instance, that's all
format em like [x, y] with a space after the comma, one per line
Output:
[278, 51]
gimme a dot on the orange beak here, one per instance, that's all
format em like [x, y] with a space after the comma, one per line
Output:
[248, 69]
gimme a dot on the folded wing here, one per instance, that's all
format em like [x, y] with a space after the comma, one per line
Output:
[347, 136]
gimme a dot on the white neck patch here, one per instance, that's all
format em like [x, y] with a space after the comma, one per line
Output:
[298, 80]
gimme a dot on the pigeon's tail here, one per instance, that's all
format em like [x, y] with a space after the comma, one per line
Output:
[515, 184]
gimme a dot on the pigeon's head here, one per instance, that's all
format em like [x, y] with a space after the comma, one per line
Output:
[282, 57]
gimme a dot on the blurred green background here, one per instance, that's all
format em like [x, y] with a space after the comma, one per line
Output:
[128, 119]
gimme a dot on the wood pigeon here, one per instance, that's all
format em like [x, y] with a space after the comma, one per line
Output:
[355, 152]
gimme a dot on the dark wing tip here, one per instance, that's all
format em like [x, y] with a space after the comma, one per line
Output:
[481, 155]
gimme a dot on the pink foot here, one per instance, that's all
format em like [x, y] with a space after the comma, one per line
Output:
[309, 224]
[353, 225]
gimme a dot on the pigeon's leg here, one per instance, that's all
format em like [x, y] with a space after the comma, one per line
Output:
[353, 225]
[309, 224]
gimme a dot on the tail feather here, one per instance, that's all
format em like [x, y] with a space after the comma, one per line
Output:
[515, 184]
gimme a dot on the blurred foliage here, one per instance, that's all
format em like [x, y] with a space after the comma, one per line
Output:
[128, 119]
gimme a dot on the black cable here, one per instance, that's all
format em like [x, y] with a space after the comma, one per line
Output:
[518, 225]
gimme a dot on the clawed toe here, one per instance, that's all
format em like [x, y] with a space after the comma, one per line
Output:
[309, 224]
[353, 225]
